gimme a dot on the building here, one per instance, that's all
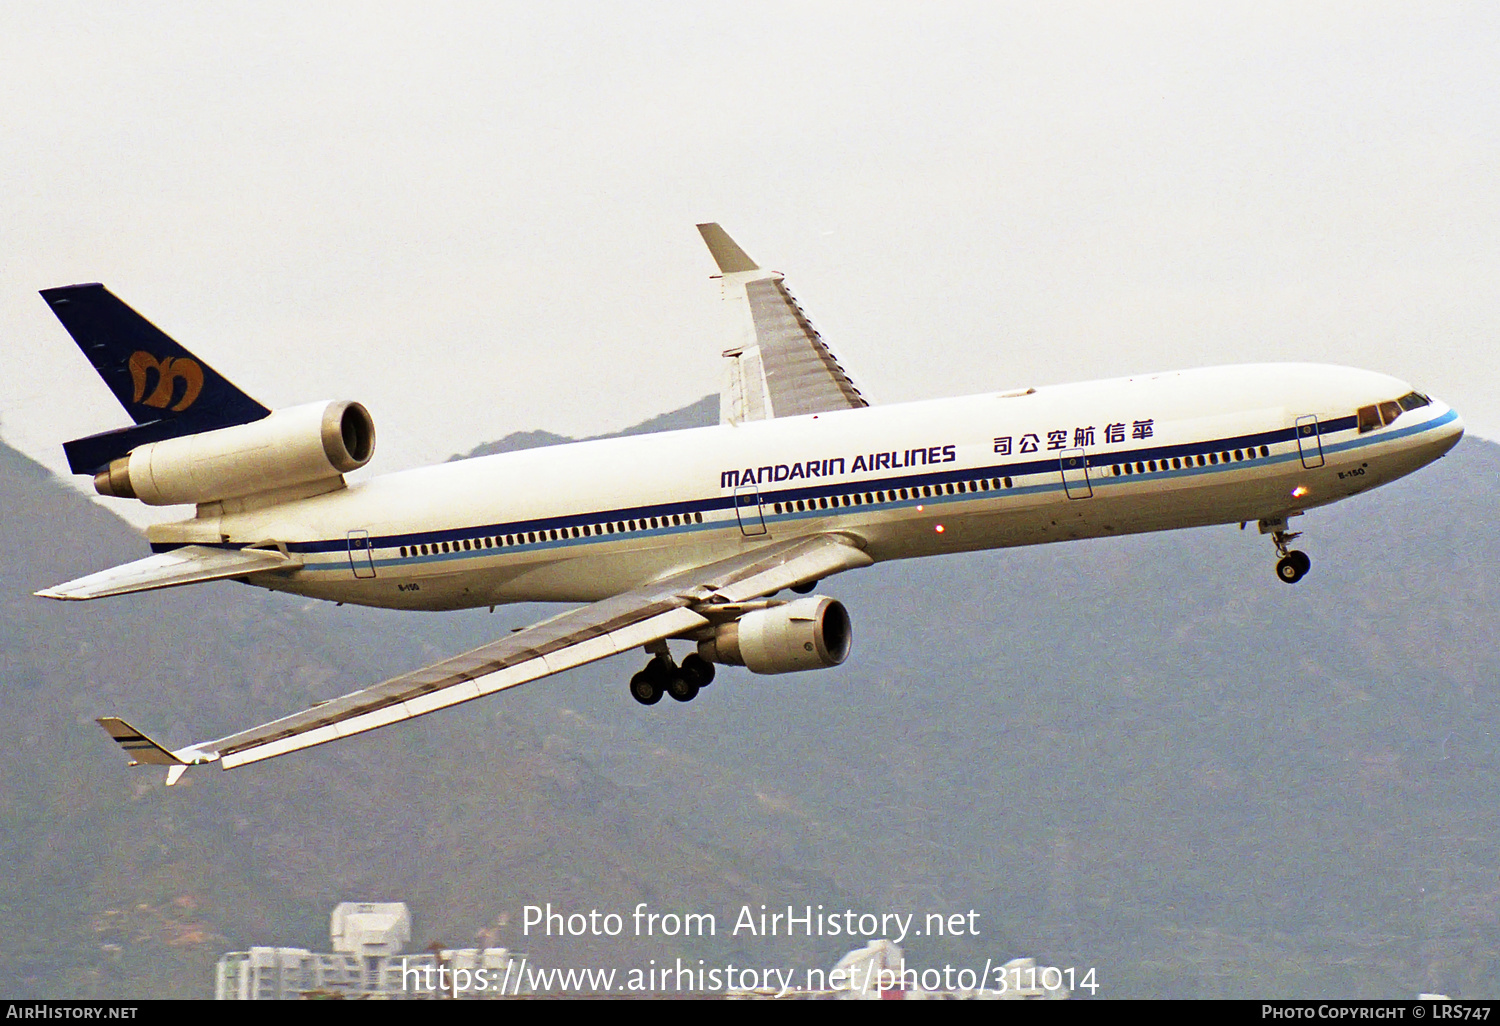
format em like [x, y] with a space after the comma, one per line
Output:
[367, 961]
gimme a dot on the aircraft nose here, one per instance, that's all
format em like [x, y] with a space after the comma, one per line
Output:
[1447, 435]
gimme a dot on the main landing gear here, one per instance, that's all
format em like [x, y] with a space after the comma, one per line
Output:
[662, 675]
[1293, 565]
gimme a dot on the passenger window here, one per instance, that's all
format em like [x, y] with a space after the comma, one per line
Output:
[1369, 418]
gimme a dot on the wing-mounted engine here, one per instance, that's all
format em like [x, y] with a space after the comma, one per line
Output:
[301, 445]
[813, 633]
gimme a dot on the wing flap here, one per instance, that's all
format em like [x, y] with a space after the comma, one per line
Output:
[190, 564]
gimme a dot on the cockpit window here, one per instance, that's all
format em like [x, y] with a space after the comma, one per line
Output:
[1372, 417]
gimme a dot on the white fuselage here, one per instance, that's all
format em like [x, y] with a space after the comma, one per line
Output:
[584, 521]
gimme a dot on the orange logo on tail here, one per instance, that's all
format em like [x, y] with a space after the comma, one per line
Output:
[168, 372]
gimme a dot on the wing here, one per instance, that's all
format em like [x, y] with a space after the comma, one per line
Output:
[780, 366]
[666, 608]
[190, 564]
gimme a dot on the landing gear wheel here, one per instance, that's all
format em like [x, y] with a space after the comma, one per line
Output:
[645, 688]
[698, 670]
[1293, 566]
[681, 688]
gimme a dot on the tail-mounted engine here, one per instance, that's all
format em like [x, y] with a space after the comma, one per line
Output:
[813, 633]
[290, 447]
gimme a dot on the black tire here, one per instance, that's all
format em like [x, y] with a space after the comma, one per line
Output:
[698, 670]
[1292, 567]
[681, 688]
[644, 688]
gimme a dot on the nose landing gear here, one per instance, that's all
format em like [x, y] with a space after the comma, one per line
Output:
[1293, 565]
[661, 675]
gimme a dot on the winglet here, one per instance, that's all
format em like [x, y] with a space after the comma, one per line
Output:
[727, 253]
[141, 749]
[145, 752]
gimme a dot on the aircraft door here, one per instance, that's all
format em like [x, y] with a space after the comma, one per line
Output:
[1310, 441]
[361, 558]
[748, 509]
[1075, 474]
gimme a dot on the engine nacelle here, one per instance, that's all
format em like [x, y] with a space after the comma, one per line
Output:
[290, 447]
[809, 634]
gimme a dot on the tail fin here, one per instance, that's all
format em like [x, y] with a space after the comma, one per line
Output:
[167, 390]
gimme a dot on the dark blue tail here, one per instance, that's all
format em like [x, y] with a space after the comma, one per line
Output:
[167, 390]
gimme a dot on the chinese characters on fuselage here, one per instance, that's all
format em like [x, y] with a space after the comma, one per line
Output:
[1080, 437]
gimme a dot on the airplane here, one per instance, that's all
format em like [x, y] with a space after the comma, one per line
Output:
[690, 535]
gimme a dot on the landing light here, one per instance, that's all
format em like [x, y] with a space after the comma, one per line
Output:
[938, 528]
[1299, 491]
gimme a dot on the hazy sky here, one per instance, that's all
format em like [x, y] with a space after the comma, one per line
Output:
[478, 218]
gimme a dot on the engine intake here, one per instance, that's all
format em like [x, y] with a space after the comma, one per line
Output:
[809, 634]
[290, 447]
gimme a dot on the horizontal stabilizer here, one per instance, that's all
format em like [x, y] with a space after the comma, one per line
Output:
[190, 564]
